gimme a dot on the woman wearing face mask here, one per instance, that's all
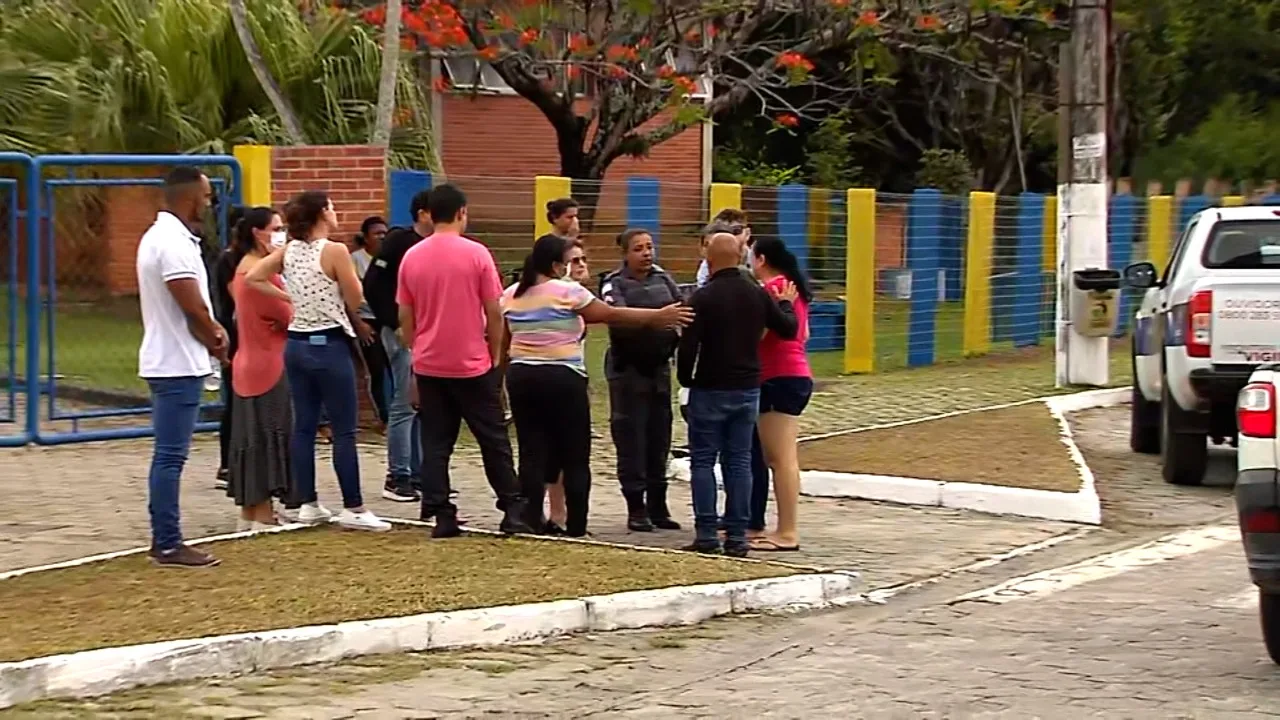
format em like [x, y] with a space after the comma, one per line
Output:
[262, 413]
[546, 319]
[786, 385]
[319, 355]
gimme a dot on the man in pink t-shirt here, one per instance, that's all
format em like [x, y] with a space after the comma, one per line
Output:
[448, 293]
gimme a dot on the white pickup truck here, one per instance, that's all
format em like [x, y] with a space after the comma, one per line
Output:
[1258, 496]
[1202, 328]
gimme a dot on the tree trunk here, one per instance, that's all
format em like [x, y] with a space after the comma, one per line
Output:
[381, 133]
[292, 125]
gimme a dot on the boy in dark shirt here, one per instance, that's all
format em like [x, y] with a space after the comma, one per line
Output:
[719, 362]
[380, 285]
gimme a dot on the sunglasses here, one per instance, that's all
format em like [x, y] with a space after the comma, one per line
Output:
[737, 229]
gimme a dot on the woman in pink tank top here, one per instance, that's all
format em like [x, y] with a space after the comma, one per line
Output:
[786, 385]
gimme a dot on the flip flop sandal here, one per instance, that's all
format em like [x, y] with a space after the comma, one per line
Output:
[766, 545]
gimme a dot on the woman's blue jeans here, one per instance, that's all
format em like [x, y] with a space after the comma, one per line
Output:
[322, 375]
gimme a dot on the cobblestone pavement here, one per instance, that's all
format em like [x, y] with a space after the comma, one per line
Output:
[889, 543]
[1134, 496]
[1177, 639]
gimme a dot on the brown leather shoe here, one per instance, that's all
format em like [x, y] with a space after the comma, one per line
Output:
[183, 556]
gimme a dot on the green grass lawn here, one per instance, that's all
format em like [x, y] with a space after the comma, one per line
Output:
[95, 343]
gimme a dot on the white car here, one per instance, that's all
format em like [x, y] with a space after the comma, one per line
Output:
[1257, 498]
[1202, 328]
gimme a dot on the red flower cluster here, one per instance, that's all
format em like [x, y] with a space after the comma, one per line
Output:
[435, 22]
[794, 61]
[787, 120]
[929, 22]
[868, 18]
[621, 53]
[684, 84]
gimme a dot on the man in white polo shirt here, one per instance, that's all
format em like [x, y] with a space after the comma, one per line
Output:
[179, 336]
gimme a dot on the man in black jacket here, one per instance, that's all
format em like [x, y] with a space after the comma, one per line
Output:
[380, 283]
[719, 362]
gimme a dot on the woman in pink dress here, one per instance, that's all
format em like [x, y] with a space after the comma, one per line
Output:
[786, 385]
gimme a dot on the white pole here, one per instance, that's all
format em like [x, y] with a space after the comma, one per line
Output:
[1082, 192]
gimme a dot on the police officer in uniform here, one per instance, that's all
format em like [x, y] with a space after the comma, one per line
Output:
[638, 368]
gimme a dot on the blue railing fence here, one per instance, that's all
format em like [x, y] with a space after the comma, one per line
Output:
[70, 336]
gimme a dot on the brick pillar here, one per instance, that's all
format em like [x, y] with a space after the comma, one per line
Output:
[129, 211]
[355, 177]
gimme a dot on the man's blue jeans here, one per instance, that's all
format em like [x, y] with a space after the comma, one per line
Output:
[721, 423]
[404, 440]
[175, 406]
[322, 374]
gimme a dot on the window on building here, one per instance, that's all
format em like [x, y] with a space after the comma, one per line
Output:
[468, 73]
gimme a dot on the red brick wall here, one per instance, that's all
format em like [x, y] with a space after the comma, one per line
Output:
[891, 232]
[493, 146]
[355, 176]
[507, 137]
[129, 212]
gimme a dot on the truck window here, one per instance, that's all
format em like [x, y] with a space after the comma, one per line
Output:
[1243, 245]
[1179, 249]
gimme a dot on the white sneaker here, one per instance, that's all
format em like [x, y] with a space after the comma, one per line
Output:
[314, 514]
[243, 525]
[361, 521]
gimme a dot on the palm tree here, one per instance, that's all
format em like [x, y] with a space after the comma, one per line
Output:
[172, 76]
[381, 134]
[284, 110]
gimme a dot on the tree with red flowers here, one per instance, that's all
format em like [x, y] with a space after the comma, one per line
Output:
[617, 77]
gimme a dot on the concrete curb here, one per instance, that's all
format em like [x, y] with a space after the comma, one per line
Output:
[1081, 506]
[107, 670]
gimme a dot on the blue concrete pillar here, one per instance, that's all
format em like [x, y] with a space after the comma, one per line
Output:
[402, 185]
[1189, 206]
[793, 221]
[924, 238]
[1028, 282]
[643, 197]
[1121, 224]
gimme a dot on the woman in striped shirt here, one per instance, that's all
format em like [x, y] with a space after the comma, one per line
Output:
[547, 380]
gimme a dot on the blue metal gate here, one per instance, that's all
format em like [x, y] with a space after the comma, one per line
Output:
[71, 373]
[17, 234]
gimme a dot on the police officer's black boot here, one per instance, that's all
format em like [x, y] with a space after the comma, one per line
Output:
[656, 505]
[637, 514]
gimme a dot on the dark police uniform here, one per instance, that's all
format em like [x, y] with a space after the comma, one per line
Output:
[638, 368]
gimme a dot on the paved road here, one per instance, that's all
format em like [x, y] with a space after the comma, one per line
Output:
[1171, 639]
[1168, 630]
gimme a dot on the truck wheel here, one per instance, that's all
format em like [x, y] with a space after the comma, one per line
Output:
[1185, 455]
[1269, 613]
[1144, 420]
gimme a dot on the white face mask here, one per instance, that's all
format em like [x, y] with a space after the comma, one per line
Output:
[278, 239]
[751, 258]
